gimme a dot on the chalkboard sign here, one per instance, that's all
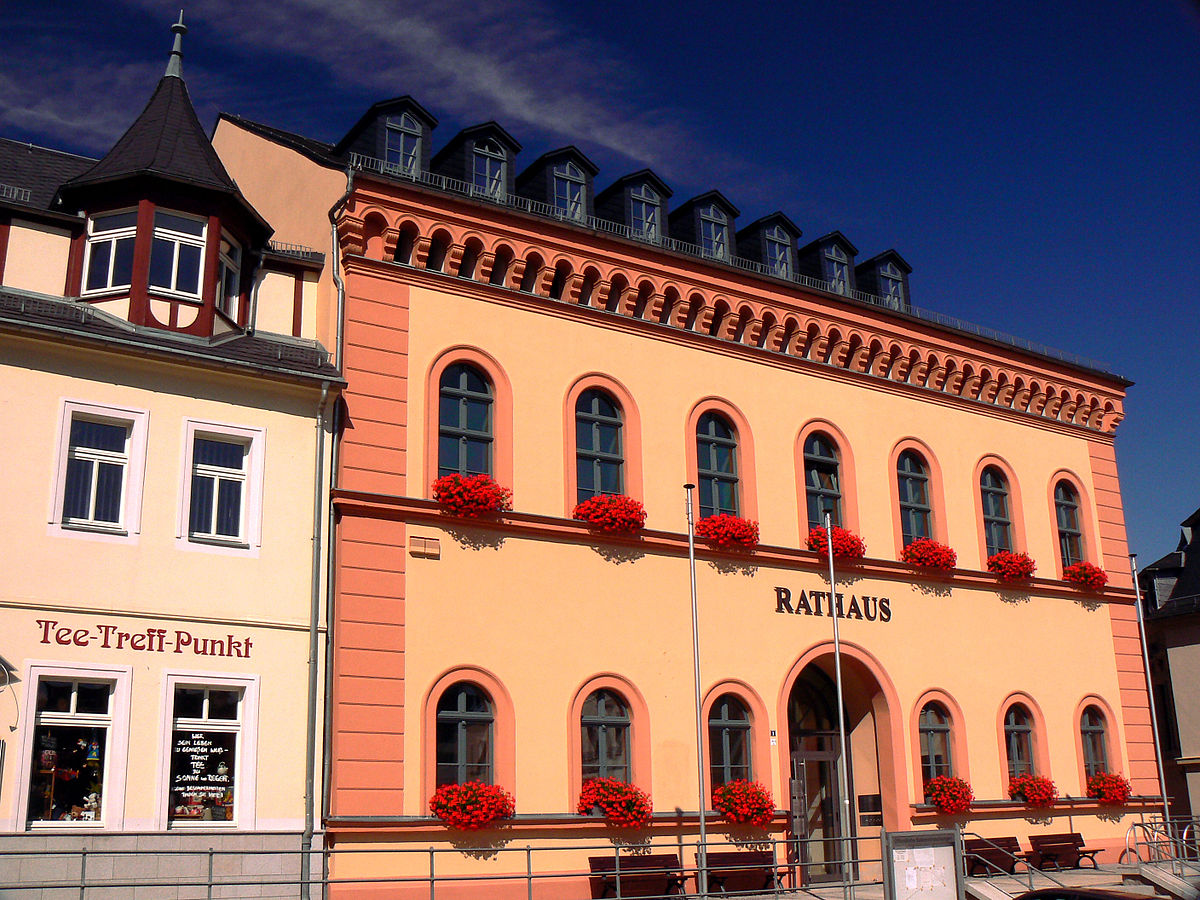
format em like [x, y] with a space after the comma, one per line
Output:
[202, 775]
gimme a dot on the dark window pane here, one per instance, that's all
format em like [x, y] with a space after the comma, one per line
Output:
[54, 696]
[162, 263]
[585, 475]
[108, 492]
[226, 454]
[188, 277]
[114, 221]
[447, 455]
[98, 265]
[203, 780]
[57, 751]
[200, 517]
[477, 414]
[223, 704]
[98, 435]
[91, 698]
[229, 508]
[477, 457]
[610, 439]
[448, 410]
[123, 263]
[610, 478]
[189, 703]
[77, 494]
[178, 223]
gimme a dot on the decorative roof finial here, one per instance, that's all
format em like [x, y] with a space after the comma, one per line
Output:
[175, 63]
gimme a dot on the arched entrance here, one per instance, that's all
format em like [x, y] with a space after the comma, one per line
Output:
[826, 827]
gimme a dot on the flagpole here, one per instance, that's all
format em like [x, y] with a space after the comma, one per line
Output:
[843, 786]
[702, 856]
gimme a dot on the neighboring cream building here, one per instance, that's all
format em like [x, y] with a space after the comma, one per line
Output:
[167, 408]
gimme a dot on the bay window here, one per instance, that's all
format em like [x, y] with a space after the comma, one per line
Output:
[177, 254]
[109, 258]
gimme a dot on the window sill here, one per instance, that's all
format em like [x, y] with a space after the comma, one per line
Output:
[230, 544]
[114, 530]
[157, 293]
[119, 290]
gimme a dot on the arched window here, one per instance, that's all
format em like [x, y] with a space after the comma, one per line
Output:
[916, 514]
[891, 285]
[644, 210]
[489, 171]
[997, 525]
[714, 232]
[465, 432]
[1070, 537]
[716, 465]
[1095, 750]
[403, 150]
[837, 269]
[934, 728]
[779, 252]
[569, 191]
[1018, 740]
[605, 736]
[822, 481]
[599, 456]
[728, 740]
[464, 735]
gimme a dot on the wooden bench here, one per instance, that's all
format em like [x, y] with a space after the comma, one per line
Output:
[1059, 851]
[652, 875]
[993, 855]
[742, 871]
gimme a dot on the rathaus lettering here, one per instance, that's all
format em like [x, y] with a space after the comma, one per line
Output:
[818, 603]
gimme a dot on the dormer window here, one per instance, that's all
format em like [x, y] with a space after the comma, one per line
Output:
[714, 232]
[489, 172]
[644, 211]
[891, 285]
[837, 268]
[229, 284]
[177, 254]
[569, 191]
[403, 149]
[779, 252]
[109, 261]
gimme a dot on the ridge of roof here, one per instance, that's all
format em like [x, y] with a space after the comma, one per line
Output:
[318, 151]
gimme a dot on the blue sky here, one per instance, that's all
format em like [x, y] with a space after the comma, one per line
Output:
[1035, 163]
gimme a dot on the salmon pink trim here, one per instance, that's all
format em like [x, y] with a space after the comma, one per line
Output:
[639, 733]
[747, 487]
[631, 436]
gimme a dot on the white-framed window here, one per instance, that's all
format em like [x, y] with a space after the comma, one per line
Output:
[177, 254]
[489, 176]
[714, 232]
[837, 268]
[72, 766]
[108, 262]
[891, 285]
[207, 774]
[402, 148]
[644, 210]
[779, 251]
[221, 506]
[100, 471]
[570, 190]
[229, 280]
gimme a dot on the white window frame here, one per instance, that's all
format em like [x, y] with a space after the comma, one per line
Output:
[779, 251]
[252, 493]
[112, 807]
[651, 207]
[130, 525]
[403, 127]
[839, 269]
[128, 232]
[891, 284]
[714, 232]
[230, 263]
[179, 238]
[571, 179]
[245, 768]
[495, 170]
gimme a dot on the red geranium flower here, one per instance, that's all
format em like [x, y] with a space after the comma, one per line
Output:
[847, 546]
[1085, 575]
[624, 805]
[929, 554]
[1109, 788]
[1036, 791]
[729, 532]
[614, 513]
[1009, 566]
[471, 806]
[743, 802]
[471, 496]
[949, 794]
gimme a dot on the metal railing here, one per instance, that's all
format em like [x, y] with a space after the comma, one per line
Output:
[1174, 845]
[298, 250]
[428, 871]
[546, 210]
[1024, 879]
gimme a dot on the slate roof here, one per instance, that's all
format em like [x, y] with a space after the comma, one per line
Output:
[38, 170]
[166, 141]
[1184, 565]
[259, 354]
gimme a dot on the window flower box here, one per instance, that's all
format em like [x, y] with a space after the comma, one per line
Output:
[613, 513]
[929, 554]
[1009, 566]
[472, 806]
[728, 532]
[950, 794]
[622, 804]
[742, 802]
[847, 546]
[1109, 788]
[1035, 791]
[1086, 576]
[471, 496]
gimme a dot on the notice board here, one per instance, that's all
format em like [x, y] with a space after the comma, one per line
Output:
[923, 865]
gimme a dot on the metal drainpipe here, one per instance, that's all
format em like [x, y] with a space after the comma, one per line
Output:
[255, 283]
[314, 615]
[334, 460]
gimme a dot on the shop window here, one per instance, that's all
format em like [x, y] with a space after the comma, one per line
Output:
[72, 750]
[644, 210]
[465, 735]
[716, 465]
[779, 252]
[108, 262]
[570, 191]
[223, 495]
[714, 232]
[489, 176]
[402, 150]
[177, 254]
[101, 458]
[1018, 740]
[599, 456]
[465, 431]
[916, 514]
[229, 283]
[1092, 732]
[934, 728]
[206, 754]
[822, 479]
[997, 523]
[604, 727]
[728, 740]
[1070, 536]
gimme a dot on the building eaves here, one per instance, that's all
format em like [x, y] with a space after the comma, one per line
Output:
[35, 173]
